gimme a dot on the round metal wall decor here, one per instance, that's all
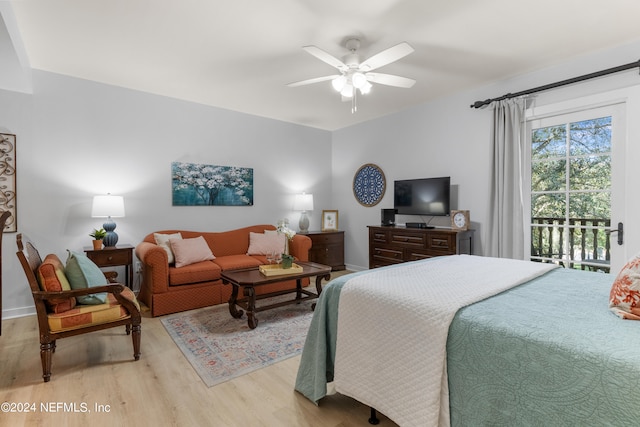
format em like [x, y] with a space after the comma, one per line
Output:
[369, 185]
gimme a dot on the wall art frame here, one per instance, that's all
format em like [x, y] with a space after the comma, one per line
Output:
[329, 220]
[8, 180]
[196, 184]
[369, 185]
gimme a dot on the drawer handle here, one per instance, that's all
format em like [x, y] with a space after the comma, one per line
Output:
[110, 258]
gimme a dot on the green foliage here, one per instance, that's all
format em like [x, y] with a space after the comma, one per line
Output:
[98, 233]
[571, 177]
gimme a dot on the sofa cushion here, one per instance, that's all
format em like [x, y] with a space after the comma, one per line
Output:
[51, 278]
[234, 262]
[203, 271]
[265, 243]
[162, 240]
[190, 251]
[84, 273]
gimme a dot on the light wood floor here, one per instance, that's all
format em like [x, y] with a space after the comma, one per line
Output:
[161, 389]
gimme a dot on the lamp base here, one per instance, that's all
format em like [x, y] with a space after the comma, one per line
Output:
[111, 238]
[303, 224]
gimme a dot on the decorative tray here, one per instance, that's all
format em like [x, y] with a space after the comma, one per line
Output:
[276, 270]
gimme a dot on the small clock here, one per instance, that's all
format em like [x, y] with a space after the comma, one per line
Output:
[460, 220]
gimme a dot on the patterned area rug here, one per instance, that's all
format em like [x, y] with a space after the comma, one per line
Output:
[221, 348]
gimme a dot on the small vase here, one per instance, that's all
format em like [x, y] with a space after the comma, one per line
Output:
[97, 245]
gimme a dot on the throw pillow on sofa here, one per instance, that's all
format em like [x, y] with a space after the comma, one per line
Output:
[162, 240]
[190, 251]
[266, 243]
[84, 273]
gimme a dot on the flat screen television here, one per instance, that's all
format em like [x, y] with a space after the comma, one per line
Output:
[426, 196]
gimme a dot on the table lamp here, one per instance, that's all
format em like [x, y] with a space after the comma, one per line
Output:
[108, 207]
[303, 202]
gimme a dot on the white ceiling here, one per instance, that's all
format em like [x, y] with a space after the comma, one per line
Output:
[240, 54]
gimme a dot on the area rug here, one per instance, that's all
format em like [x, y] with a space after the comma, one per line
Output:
[221, 348]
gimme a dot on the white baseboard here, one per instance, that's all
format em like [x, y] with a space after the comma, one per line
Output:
[18, 312]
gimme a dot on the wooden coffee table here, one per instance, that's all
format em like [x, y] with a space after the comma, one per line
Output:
[250, 278]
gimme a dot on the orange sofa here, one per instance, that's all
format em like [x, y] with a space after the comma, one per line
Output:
[166, 289]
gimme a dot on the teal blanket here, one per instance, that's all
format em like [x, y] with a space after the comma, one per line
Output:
[548, 352]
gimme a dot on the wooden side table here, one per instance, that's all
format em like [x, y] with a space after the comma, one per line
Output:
[121, 255]
[327, 247]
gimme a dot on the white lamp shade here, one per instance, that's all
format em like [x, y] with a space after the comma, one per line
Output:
[107, 206]
[303, 202]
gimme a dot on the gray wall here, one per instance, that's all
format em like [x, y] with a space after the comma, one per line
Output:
[77, 138]
[447, 138]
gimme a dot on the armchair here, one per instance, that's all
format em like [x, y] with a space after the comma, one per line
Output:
[58, 315]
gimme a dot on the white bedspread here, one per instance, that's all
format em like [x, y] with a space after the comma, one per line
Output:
[393, 325]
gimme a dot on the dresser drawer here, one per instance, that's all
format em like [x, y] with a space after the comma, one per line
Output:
[327, 247]
[387, 254]
[408, 239]
[106, 257]
[377, 236]
[327, 239]
[416, 254]
[445, 243]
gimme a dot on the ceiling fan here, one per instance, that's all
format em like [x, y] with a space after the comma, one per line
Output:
[357, 76]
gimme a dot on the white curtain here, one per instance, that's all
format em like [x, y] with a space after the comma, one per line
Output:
[506, 207]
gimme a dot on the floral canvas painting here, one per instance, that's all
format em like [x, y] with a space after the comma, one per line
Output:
[195, 184]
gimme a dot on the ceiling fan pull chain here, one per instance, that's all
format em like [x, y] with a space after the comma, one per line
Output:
[354, 103]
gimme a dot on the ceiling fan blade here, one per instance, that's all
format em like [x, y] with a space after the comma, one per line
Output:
[387, 56]
[325, 57]
[390, 80]
[311, 81]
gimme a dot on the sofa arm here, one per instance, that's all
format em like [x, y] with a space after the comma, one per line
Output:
[299, 247]
[155, 265]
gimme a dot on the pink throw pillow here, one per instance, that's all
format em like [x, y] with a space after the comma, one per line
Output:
[624, 299]
[263, 244]
[190, 251]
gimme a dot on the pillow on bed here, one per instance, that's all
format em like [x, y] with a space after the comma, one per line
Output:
[265, 243]
[624, 299]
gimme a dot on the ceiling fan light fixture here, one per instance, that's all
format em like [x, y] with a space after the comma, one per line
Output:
[358, 80]
[338, 83]
[347, 91]
[365, 88]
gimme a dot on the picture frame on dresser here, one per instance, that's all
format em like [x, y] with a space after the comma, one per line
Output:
[329, 220]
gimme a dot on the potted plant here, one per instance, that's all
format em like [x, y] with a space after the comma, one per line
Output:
[287, 261]
[98, 235]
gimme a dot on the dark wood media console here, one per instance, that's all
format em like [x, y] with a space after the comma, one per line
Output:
[395, 244]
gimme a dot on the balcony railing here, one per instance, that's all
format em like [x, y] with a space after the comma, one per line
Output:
[589, 242]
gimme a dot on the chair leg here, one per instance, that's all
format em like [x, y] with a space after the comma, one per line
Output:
[135, 336]
[46, 350]
[128, 328]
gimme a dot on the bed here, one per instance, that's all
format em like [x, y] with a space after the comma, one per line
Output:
[542, 349]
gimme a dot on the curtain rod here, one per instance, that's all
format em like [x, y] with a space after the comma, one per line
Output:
[479, 104]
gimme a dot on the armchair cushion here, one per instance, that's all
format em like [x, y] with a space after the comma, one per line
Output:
[85, 315]
[84, 273]
[51, 278]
